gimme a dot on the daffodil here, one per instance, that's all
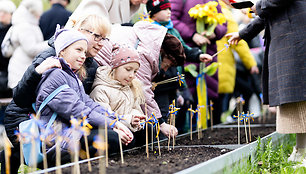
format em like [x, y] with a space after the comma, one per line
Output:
[207, 18]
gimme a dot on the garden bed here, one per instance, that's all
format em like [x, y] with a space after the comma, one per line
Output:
[186, 153]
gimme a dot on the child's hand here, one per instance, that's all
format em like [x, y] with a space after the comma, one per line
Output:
[124, 132]
[137, 119]
[168, 129]
[180, 100]
[48, 64]
[254, 70]
[205, 58]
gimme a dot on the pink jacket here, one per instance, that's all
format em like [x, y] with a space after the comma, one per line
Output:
[149, 38]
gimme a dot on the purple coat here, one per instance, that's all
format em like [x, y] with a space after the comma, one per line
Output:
[69, 102]
[187, 27]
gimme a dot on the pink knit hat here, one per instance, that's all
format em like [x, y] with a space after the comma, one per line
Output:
[123, 54]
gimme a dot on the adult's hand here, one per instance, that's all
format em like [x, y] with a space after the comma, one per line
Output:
[254, 70]
[253, 8]
[124, 132]
[205, 58]
[200, 39]
[48, 64]
[168, 129]
[234, 38]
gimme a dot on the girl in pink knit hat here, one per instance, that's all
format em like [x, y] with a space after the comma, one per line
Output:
[116, 88]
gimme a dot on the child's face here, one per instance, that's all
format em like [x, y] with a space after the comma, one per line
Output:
[126, 73]
[75, 54]
[162, 16]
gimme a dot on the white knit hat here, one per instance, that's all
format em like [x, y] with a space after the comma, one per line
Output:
[65, 37]
[7, 6]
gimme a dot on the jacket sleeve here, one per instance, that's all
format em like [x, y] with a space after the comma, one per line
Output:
[266, 8]
[176, 13]
[68, 102]
[24, 93]
[252, 29]
[99, 95]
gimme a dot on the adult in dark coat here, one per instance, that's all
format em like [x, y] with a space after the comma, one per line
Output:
[284, 72]
[57, 14]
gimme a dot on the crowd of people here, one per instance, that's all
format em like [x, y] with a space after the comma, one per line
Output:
[110, 64]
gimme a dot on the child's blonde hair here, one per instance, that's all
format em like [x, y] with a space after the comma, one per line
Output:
[136, 87]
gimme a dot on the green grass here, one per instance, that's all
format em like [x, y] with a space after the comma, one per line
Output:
[269, 158]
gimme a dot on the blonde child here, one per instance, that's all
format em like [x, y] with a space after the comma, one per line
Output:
[116, 88]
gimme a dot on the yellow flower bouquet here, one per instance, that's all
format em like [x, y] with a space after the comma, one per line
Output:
[207, 18]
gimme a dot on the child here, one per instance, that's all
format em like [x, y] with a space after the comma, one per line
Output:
[117, 89]
[160, 13]
[71, 47]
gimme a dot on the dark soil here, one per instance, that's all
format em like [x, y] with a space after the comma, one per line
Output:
[179, 158]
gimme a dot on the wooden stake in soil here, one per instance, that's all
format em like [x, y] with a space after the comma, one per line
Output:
[7, 154]
[169, 137]
[120, 145]
[211, 115]
[199, 121]
[157, 136]
[21, 154]
[152, 139]
[245, 128]
[86, 129]
[106, 144]
[99, 144]
[147, 138]
[58, 142]
[45, 163]
[249, 122]
[238, 120]
[33, 154]
[191, 115]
